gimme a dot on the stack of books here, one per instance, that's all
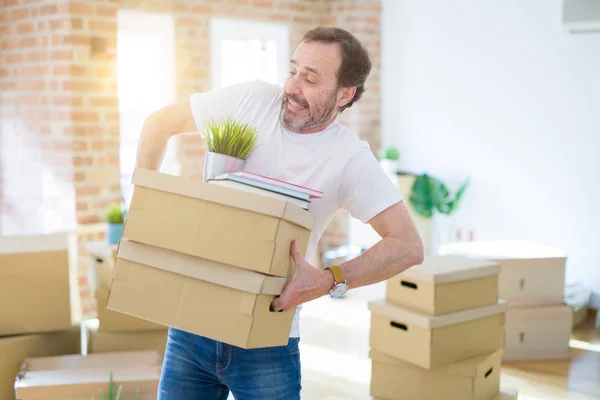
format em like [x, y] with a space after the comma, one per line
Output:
[267, 186]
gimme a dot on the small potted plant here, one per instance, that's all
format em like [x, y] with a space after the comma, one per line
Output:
[230, 142]
[112, 393]
[389, 159]
[115, 218]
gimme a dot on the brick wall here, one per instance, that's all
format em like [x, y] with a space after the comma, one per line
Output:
[63, 114]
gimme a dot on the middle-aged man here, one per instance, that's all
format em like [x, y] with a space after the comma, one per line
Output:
[300, 141]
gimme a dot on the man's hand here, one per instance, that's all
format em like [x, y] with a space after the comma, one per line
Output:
[307, 283]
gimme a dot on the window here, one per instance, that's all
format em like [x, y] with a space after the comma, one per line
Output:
[244, 50]
[146, 82]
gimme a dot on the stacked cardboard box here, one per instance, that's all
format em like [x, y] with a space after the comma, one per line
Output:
[76, 377]
[439, 332]
[113, 330]
[35, 302]
[207, 259]
[532, 282]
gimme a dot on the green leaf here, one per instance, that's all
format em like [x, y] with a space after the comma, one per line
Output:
[118, 395]
[429, 194]
[231, 137]
[115, 214]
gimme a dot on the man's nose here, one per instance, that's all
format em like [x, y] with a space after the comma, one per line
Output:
[292, 86]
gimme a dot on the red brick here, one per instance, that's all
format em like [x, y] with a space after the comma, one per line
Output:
[3, 73]
[48, 9]
[83, 86]
[33, 85]
[10, 3]
[80, 40]
[87, 131]
[203, 10]
[94, 190]
[99, 145]
[85, 116]
[112, 117]
[10, 44]
[65, 55]
[263, 4]
[83, 279]
[112, 101]
[105, 71]
[28, 27]
[81, 9]
[20, 14]
[76, 23]
[106, 11]
[40, 70]
[103, 26]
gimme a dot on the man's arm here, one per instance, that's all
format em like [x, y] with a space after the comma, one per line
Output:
[400, 248]
[158, 128]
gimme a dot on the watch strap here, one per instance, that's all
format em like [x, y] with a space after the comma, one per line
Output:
[338, 274]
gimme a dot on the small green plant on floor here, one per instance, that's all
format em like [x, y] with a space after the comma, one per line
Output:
[115, 214]
[231, 137]
[112, 394]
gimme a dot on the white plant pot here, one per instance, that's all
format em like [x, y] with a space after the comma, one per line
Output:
[216, 163]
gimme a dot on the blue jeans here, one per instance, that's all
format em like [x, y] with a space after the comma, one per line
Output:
[196, 367]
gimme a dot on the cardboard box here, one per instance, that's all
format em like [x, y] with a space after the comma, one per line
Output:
[114, 321]
[101, 263]
[434, 341]
[35, 284]
[221, 224]
[109, 342]
[78, 377]
[200, 296]
[538, 333]
[15, 349]
[445, 284]
[531, 274]
[476, 378]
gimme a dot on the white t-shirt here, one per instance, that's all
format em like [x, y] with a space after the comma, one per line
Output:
[334, 161]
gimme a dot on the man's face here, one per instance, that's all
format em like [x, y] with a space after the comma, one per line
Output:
[311, 97]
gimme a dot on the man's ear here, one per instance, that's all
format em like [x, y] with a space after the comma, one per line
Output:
[345, 95]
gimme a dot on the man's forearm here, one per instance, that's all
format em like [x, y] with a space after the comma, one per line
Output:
[152, 144]
[387, 258]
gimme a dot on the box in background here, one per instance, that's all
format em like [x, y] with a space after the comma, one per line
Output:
[95, 341]
[531, 274]
[101, 263]
[15, 349]
[434, 341]
[477, 378]
[217, 223]
[36, 283]
[445, 284]
[197, 295]
[538, 333]
[76, 377]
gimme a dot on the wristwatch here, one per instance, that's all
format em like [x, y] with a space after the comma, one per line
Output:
[340, 286]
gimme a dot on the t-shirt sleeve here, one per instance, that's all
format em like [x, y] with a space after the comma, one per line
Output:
[365, 189]
[218, 103]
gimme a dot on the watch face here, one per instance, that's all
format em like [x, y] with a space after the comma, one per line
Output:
[339, 290]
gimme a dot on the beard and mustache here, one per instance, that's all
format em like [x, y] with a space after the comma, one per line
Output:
[317, 116]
